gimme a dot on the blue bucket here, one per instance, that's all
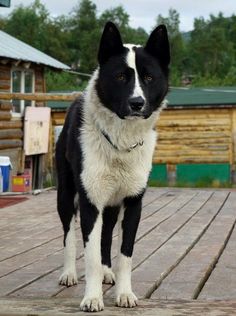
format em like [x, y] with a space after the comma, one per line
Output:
[5, 165]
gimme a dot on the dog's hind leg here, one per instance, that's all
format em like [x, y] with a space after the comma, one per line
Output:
[110, 215]
[67, 212]
[127, 231]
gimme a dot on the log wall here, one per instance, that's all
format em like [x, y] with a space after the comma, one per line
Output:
[11, 136]
[11, 128]
[190, 135]
[195, 136]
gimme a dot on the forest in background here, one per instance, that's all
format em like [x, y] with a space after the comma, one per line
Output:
[206, 56]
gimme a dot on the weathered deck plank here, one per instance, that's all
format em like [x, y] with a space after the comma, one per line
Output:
[201, 260]
[17, 255]
[222, 282]
[160, 212]
[148, 233]
[185, 248]
[163, 261]
[58, 307]
[56, 248]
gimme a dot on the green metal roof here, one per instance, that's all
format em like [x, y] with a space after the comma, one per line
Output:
[202, 96]
[11, 47]
[58, 105]
[185, 97]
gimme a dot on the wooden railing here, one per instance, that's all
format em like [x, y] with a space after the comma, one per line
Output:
[41, 97]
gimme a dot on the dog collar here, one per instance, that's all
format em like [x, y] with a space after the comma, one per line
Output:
[114, 146]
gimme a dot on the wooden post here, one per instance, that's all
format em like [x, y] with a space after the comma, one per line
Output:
[171, 174]
[233, 150]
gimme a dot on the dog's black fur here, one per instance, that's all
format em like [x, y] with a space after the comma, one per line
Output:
[152, 60]
[113, 86]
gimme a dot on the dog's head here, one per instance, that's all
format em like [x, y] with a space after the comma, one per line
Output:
[133, 80]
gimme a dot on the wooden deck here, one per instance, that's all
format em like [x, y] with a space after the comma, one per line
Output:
[184, 257]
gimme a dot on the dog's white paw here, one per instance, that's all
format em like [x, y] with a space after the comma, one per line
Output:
[68, 278]
[108, 275]
[126, 300]
[92, 304]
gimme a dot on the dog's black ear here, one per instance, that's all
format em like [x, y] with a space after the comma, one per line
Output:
[110, 44]
[158, 45]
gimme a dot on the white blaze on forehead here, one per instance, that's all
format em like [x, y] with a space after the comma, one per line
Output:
[130, 60]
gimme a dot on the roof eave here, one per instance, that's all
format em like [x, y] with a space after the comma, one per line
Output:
[62, 67]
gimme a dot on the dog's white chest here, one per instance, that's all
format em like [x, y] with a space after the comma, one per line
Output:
[109, 176]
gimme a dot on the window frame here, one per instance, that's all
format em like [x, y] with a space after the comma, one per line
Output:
[22, 88]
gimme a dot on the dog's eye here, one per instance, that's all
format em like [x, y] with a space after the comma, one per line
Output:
[121, 77]
[148, 78]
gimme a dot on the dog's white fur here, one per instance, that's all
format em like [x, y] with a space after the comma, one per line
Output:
[130, 60]
[69, 275]
[124, 294]
[109, 176]
[93, 269]
[108, 275]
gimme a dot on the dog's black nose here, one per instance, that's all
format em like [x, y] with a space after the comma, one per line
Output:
[136, 103]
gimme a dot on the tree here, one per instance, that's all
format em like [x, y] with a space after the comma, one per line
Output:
[85, 35]
[137, 36]
[28, 24]
[212, 52]
[3, 21]
[172, 22]
[33, 25]
[58, 39]
[118, 16]
[208, 52]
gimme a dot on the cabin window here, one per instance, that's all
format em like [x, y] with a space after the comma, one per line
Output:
[23, 82]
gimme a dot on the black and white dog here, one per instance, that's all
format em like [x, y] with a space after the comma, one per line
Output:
[104, 154]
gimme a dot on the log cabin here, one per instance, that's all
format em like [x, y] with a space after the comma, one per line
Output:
[22, 70]
[196, 137]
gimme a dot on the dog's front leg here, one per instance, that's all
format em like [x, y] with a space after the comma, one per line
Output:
[128, 228]
[91, 225]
